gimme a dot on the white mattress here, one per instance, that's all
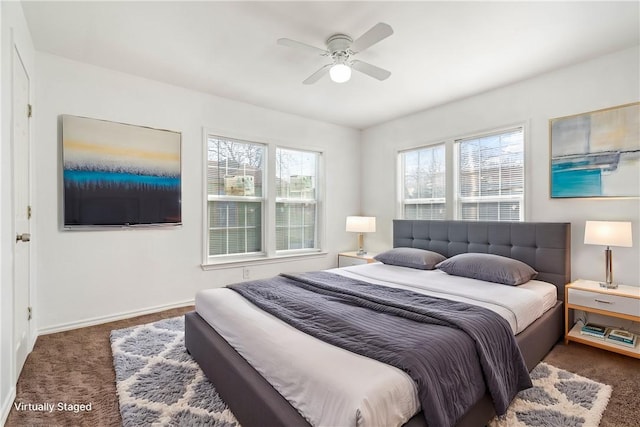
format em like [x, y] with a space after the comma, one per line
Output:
[334, 387]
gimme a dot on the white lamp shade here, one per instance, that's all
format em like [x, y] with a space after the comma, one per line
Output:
[361, 224]
[608, 233]
[340, 73]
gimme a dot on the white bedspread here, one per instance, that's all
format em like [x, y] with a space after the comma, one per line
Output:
[333, 387]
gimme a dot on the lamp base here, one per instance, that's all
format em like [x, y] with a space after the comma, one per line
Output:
[608, 282]
[609, 285]
[361, 250]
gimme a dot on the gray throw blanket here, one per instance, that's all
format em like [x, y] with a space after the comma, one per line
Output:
[453, 351]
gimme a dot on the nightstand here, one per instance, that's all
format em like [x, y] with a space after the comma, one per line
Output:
[587, 295]
[347, 259]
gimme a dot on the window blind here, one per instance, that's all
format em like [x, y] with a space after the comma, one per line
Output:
[490, 177]
[424, 183]
[296, 199]
[235, 180]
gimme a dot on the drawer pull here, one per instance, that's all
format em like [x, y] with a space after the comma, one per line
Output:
[603, 301]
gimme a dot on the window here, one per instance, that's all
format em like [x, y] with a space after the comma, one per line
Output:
[296, 199]
[484, 182]
[490, 177]
[263, 201]
[235, 180]
[423, 183]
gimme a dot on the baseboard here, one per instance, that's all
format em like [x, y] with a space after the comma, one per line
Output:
[6, 406]
[111, 318]
[33, 336]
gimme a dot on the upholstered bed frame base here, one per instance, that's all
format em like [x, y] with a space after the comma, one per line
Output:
[544, 246]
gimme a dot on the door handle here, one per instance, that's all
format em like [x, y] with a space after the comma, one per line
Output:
[24, 237]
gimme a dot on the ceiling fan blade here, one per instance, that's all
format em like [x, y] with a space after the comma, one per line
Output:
[304, 46]
[370, 70]
[317, 75]
[375, 34]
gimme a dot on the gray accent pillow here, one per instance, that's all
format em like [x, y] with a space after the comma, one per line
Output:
[410, 257]
[488, 267]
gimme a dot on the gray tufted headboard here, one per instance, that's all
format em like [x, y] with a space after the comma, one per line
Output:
[545, 246]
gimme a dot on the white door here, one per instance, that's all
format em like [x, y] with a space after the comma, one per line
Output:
[22, 211]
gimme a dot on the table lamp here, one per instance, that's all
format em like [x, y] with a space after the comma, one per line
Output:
[608, 233]
[360, 225]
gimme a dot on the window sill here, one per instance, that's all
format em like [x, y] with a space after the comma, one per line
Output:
[258, 260]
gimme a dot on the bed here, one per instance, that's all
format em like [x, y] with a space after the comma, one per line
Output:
[543, 246]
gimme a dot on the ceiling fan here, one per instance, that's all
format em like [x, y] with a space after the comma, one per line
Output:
[341, 48]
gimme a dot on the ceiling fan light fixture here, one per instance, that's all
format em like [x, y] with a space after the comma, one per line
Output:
[341, 48]
[340, 73]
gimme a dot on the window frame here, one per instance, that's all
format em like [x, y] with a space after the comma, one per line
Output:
[315, 201]
[452, 183]
[403, 202]
[268, 254]
[239, 199]
[459, 200]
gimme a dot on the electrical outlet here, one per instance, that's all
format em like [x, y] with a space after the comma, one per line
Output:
[245, 273]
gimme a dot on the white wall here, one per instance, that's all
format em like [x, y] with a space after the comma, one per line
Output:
[13, 32]
[600, 83]
[87, 276]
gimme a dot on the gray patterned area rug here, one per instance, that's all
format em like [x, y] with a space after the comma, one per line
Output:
[558, 398]
[159, 384]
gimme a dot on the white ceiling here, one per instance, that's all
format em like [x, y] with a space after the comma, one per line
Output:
[439, 52]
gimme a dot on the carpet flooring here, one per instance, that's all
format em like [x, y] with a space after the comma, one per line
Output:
[76, 367]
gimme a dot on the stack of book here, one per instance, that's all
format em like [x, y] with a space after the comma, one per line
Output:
[615, 336]
[593, 330]
[618, 336]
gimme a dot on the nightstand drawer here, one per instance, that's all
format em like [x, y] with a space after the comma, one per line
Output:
[615, 303]
[347, 261]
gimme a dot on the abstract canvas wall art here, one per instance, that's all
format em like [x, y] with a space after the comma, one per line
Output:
[596, 154]
[117, 174]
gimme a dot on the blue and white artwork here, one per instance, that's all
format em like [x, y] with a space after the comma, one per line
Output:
[119, 174]
[596, 154]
